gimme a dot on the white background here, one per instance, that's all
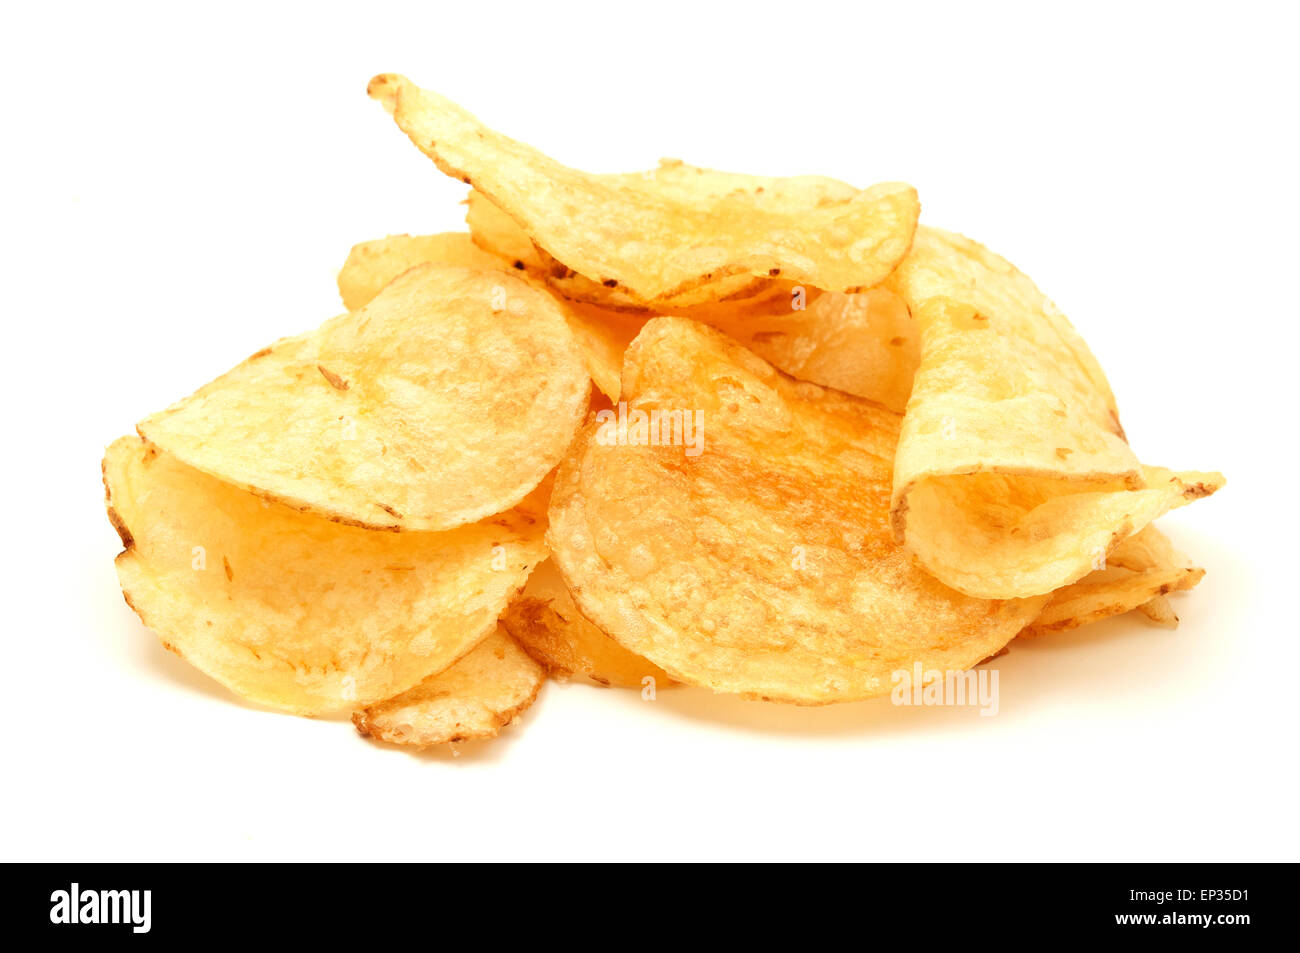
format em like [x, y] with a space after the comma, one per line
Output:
[180, 188]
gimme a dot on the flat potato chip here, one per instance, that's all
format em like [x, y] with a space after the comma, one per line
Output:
[1012, 474]
[444, 400]
[546, 622]
[475, 698]
[297, 612]
[756, 556]
[646, 238]
[372, 265]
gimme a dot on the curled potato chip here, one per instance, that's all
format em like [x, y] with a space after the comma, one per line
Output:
[865, 344]
[547, 623]
[497, 232]
[475, 698]
[753, 554]
[647, 239]
[372, 265]
[444, 400]
[1012, 474]
[297, 612]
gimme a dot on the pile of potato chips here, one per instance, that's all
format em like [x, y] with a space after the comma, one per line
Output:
[824, 444]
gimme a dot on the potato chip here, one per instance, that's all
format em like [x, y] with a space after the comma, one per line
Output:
[497, 232]
[740, 537]
[1146, 550]
[1136, 575]
[1012, 475]
[1109, 592]
[866, 344]
[296, 612]
[545, 620]
[372, 265]
[603, 337]
[444, 400]
[475, 698]
[645, 238]
[1159, 611]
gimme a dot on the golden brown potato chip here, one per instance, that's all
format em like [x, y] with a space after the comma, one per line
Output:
[444, 400]
[644, 238]
[1012, 475]
[372, 265]
[475, 698]
[297, 612]
[546, 622]
[744, 543]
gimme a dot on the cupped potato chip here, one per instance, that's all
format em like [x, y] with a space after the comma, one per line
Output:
[601, 337]
[475, 698]
[732, 526]
[297, 612]
[545, 620]
[1012, 475]
[444, 400]
[645, 238]
[372, 265]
